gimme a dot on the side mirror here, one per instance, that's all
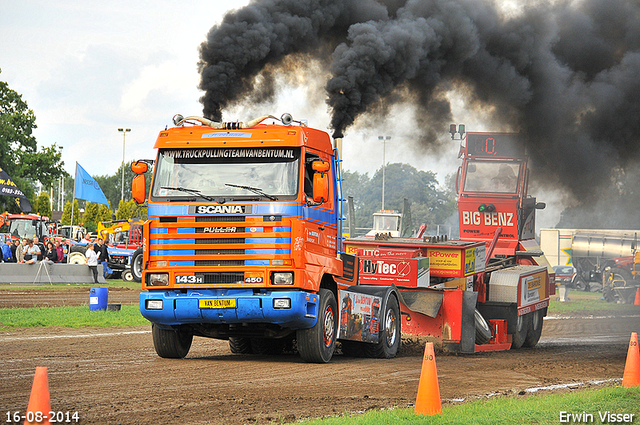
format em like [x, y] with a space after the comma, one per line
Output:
[138, 188]
[139, 167]
[541, 205]
[320, 181]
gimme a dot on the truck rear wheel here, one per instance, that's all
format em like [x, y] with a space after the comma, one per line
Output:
[240, 345]
[136, 265]
[389, 338]
[522, 329]
[171, 344]
[535, 327]
[316, 344]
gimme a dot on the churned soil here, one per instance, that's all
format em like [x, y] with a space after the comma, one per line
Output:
[113, 375]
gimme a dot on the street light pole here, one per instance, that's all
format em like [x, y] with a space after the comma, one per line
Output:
[124, 135]
[384, 140]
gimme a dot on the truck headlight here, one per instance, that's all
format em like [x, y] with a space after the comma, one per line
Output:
[282, 278]
[281, 303]
[158, 279]
[154, 305]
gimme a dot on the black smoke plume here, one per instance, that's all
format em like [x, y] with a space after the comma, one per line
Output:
[565, 74]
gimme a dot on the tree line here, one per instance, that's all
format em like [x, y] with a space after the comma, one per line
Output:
[429, 202]
[41, 170]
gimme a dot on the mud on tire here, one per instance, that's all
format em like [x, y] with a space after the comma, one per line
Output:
[171, 344]
[390, 334]
[316, 344]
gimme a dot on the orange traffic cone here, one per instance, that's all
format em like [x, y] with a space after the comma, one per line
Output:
[428, 399]
[637, 301]
[631, 377]
[39, 401]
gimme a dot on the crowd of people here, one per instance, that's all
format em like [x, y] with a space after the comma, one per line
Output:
[32, 251]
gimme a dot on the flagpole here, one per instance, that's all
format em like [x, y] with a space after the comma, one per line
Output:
[75, 176]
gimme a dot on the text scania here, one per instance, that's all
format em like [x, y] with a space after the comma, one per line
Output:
[488, 219]
[219, 209]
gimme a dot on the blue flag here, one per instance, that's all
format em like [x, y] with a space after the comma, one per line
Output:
[87, 188]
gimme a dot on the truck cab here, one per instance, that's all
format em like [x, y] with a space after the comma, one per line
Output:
[386, 221]
[241, 236]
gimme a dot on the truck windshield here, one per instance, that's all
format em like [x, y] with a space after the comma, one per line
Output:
[23, 228]
[491, 177]
[227, 172]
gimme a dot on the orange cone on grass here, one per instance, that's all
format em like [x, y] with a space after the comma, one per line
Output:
[428, 398]
[39, 401]
[631, 377]
[637, 300]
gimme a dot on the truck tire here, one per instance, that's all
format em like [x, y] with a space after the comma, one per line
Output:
[522, 329]
[76, 258]
[621, 278]
[171, 344]
[78, 248]
[483, 331]
[390, 336]
[535, 327]
[316, 344]
[136, 265]
[127, 276]
[240, 345]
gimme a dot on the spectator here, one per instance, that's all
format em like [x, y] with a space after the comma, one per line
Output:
[51, 254]
[39, 244]
[6, 251]
[59, 251]
[92, 261]
[32, 253]
[14, 249]
[20, 250]
[103, 255]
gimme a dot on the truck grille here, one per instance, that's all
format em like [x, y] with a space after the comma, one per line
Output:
[218, 242]
[217, 278]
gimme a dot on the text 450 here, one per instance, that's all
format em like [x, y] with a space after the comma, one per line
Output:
[37, 417]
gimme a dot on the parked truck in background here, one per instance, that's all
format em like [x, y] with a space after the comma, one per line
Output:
[244, 242]
[607, 258]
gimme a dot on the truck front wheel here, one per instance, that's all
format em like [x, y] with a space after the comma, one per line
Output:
[171, 344]
[316, 344]
[389, 338]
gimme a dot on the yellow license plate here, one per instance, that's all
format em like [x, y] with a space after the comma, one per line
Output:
[218, 303]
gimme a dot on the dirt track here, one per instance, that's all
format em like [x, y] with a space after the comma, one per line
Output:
[114, 376]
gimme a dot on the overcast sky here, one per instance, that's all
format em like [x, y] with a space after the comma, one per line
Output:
[87, 68]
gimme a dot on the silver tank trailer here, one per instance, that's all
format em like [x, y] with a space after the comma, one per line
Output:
[602, 246]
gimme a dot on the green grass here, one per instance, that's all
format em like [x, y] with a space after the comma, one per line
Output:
[69, 317]
[534, 409]
[587, 302]
[111, 283]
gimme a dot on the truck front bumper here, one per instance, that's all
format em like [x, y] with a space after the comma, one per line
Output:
[232, 306]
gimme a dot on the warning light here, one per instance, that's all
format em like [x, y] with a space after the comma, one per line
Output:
[486, 208]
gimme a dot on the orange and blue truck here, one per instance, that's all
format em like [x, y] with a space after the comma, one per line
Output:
[244, 242]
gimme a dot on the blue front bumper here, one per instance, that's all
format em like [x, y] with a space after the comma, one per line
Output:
[251, 307]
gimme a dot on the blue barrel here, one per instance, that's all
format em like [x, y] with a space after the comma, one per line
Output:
[98, 298]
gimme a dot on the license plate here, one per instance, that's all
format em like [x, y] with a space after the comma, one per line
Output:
[218, 303]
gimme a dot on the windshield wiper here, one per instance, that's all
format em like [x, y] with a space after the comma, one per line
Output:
[254, 190]
[194, 192]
